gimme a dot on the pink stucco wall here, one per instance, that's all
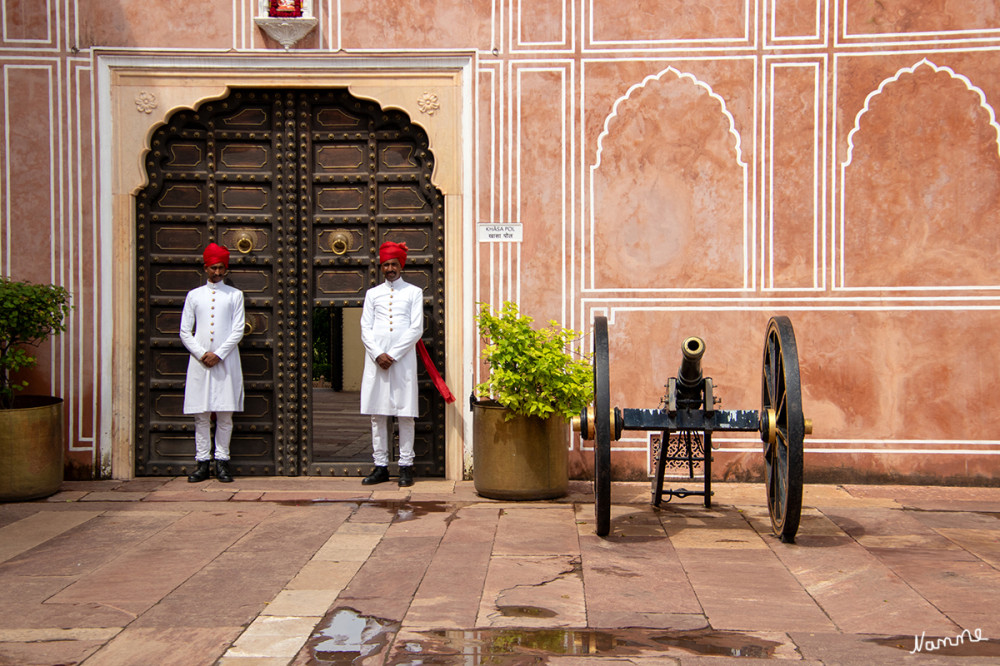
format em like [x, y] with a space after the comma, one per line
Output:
[686, 168]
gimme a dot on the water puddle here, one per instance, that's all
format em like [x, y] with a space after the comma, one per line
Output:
[402, 510]
[525, 611]
[526, 646]
[346, 637]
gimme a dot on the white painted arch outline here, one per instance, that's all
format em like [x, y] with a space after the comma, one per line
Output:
[748, 280]
[910, 70]
[840, 276]
[659, 77]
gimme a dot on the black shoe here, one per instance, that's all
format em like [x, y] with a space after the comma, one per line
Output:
[379, 475]
[201, 473]
[405, 477]
[222, 471]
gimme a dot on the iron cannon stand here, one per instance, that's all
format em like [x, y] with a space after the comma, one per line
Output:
[689, 408]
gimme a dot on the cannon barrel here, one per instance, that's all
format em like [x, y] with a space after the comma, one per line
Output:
[689, 376]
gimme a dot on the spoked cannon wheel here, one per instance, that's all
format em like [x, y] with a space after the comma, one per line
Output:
[602, 429]
[783, 428]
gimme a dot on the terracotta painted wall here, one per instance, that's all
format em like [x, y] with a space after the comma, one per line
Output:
[686, 168]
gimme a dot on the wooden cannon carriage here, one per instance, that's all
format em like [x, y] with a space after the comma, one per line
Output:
[688, 408]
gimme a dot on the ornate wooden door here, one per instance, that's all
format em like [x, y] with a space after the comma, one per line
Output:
[302, 186]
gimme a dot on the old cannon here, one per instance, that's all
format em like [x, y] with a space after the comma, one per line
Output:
[688, 409]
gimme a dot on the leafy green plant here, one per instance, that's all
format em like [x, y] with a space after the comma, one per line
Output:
[29, 314]
[532, 373]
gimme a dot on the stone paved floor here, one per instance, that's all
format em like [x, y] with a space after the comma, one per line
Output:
[325, 571]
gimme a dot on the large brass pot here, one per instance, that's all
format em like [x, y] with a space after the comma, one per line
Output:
[31, 448]
[525, 458]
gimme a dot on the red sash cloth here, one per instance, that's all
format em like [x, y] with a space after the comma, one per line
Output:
[432, 371]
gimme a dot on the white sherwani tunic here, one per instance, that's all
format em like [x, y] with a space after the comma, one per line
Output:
[392, 322]
[213, 321]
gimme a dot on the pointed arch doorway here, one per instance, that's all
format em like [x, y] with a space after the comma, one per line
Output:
[302, 185]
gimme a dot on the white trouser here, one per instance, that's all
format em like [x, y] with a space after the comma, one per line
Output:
[203, 440]
[381, 435]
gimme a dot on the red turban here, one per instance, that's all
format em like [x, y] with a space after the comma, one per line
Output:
[390, 250]
[216, 254]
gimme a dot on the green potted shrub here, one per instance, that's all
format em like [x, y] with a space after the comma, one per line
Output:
[535, 386]
[31, 426]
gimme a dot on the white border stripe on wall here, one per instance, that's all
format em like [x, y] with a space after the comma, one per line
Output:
[561, 68]
[749, 13]
[49, 29]
[819, 32]
[936, 34]
[839, 252]
[520, 44]
[818, 180]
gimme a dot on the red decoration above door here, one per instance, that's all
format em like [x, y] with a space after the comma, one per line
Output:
[285, 8]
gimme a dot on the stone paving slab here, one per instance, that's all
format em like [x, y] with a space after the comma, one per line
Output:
[984, 544]
[252, 661]
[174, 554]
[303, 497]
[749, 590]
[352, 546]
[248, 495]
[36, 529]
[953, 581]
[387, 581]
[192, 495]
[301, 603]
[91, 486]
[66, 496]
[273, 636]
[533, 591]
[837, 648]
[972, 619]
[106, 535]
[634, 578]
[946, 505]
[722, 528]
[886, 528]
[27, 604]
[908, 493]
[959, 520]
[855, 589]
[47, 652]
[448, 595]
[147, 484]
[185, 646]
[534, 530]
[118, 496]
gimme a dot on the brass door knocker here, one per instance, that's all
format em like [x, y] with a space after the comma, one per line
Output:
[340, 242]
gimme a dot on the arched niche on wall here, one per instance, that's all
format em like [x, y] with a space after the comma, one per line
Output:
[668, 190]
[920, 187]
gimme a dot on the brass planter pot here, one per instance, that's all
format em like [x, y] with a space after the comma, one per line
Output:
[525, 458]
[31, 448]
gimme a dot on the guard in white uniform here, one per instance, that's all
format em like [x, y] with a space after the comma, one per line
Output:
[211, 327]
[392, 322]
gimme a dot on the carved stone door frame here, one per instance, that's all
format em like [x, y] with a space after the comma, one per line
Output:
[138, 91]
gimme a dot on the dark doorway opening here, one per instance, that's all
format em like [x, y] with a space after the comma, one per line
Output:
[341, 434]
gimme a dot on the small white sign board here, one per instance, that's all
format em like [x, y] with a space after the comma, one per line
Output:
[489, 232]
